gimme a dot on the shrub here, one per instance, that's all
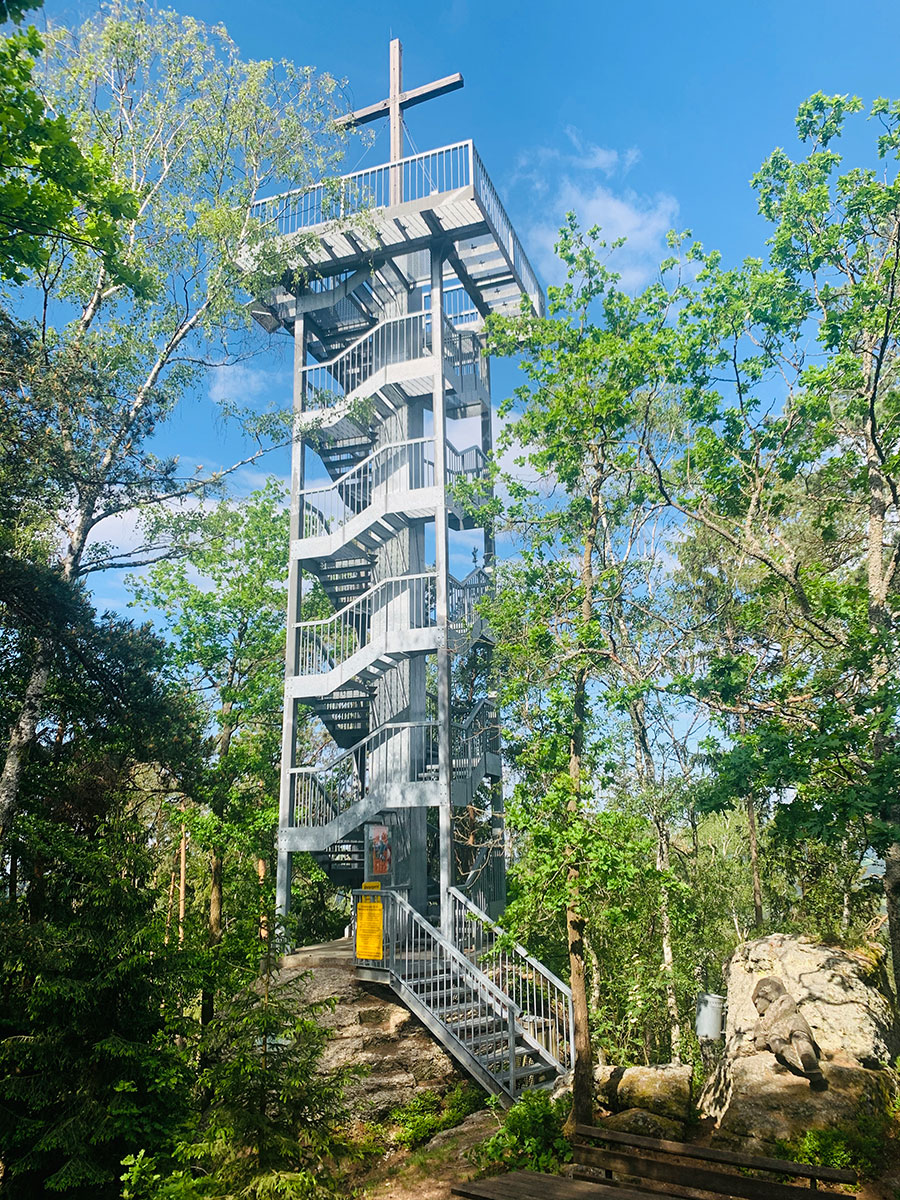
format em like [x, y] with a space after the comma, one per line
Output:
[428, 1113]
[531, 1137]
[849, 1148]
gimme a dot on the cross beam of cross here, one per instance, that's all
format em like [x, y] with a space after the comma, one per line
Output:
[394, 106]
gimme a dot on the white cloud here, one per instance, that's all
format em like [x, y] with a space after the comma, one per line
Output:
[239, 384]
[564, 178]
[642, 220]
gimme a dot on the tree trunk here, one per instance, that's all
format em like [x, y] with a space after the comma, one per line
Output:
[263, 918]
[182, 880]
[583, 1071]
[892, 899]
[662, 865]
[22, 733]
[217, 855]
[878, 623]
[583, 1074]
[207, 998]
[754, 864]
[595, 987]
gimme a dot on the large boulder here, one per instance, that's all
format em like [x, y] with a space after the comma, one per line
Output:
[767, 1104]
[644, 1124]
[844, 996]
[664, 1090]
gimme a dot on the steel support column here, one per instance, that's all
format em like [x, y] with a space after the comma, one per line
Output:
[295, 583]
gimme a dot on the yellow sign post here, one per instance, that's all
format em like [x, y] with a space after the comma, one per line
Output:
[370, 929]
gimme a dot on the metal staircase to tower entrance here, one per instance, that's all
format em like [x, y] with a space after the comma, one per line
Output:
[393, 271]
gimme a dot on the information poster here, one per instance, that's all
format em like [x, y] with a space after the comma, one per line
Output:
[381, 851]
[370, 928]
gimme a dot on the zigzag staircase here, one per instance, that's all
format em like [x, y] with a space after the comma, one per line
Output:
[386, 314]
[497, 1011]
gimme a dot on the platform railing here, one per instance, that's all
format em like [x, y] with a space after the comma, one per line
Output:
[327, 642]
[459, 306]
[544, 1000]
[422, 175]
[464, 355]
[503, 227]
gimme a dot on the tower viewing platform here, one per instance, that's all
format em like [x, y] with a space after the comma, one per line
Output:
[391, 744]
[445, 193]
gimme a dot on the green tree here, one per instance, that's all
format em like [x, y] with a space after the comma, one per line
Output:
[789, 461]
[90, 1070]
[222, 607]
[51, 191]
[267, 1119]
[561, 612]
[197, 134]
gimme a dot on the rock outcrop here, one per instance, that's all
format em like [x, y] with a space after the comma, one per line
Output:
[370, 1028]
[654, 1101]
[756, 1101]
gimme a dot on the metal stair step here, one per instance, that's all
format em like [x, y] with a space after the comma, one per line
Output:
[522, 1052]
[535, 1073]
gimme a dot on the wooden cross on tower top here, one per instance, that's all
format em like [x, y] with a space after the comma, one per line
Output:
[394, 106]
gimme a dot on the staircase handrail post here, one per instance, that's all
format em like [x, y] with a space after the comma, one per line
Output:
[391, 925]
[511, 1041]
[482, 981]
[539, 969]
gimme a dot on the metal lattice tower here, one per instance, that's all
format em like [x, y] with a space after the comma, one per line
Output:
[392, 407]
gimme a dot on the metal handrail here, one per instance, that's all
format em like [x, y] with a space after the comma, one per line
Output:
[392, 341]
[396, 467]
[328, 641]
[321, 793]
[545, 1001]
[336, 502]
[503, 227]
[465, 595]
[435, 971]
[470, 745]
[427, 174]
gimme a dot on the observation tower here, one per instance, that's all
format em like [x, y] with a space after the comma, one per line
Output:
[393, 271]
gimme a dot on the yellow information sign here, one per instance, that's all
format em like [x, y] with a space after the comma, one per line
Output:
[373, 886]
[370, 930]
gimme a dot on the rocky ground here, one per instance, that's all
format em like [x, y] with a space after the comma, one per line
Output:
[749, 1102]
[429, 1173]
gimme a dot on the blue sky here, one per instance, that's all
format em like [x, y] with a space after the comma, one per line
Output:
[638, 117]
